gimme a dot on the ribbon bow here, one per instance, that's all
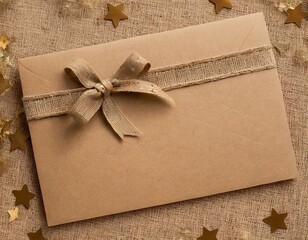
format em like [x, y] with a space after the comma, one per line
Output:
[98, 92]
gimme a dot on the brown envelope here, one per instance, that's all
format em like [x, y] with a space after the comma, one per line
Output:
[222, 136]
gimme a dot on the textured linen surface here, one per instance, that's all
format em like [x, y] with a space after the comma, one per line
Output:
[39, 28]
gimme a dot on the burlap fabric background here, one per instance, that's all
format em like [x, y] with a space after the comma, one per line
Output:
[40, 29]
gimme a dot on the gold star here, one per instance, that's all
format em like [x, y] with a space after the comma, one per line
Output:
[18, 140]
[38, 235]
[276, 220]
[220, 4]
[13, 214]
[4, 129]
[4, 83]
[4, 41]
[23, 196]
[115, 14]
[208, 235]
[296, 15]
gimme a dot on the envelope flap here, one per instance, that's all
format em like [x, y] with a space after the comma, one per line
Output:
[221, 38]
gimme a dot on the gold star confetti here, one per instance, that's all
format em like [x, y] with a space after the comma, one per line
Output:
[296, 16]
[18, 140]
[220, 4]
[5, 59]
[4, 83]
[276, 221]
[208, 235]
[23, 196]
[281, 48]
[4, 129]
[38, 235]
[13, 214]
[115, 14]
[4, 40]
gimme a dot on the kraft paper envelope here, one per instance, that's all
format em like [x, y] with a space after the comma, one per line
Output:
[220, 136]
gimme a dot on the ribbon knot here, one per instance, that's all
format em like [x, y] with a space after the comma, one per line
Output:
[105, 87]
[98, 92]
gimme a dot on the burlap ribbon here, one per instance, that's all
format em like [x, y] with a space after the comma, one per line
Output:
[98, 92]
[83, 103]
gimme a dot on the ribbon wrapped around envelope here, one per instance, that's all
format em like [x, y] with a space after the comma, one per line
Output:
[97, 93]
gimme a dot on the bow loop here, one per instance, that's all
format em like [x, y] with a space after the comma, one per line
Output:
[98, 93]
[82, 71]
[134, 66]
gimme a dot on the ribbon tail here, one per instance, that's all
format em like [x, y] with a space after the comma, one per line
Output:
[86, 106]
[117, 120]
